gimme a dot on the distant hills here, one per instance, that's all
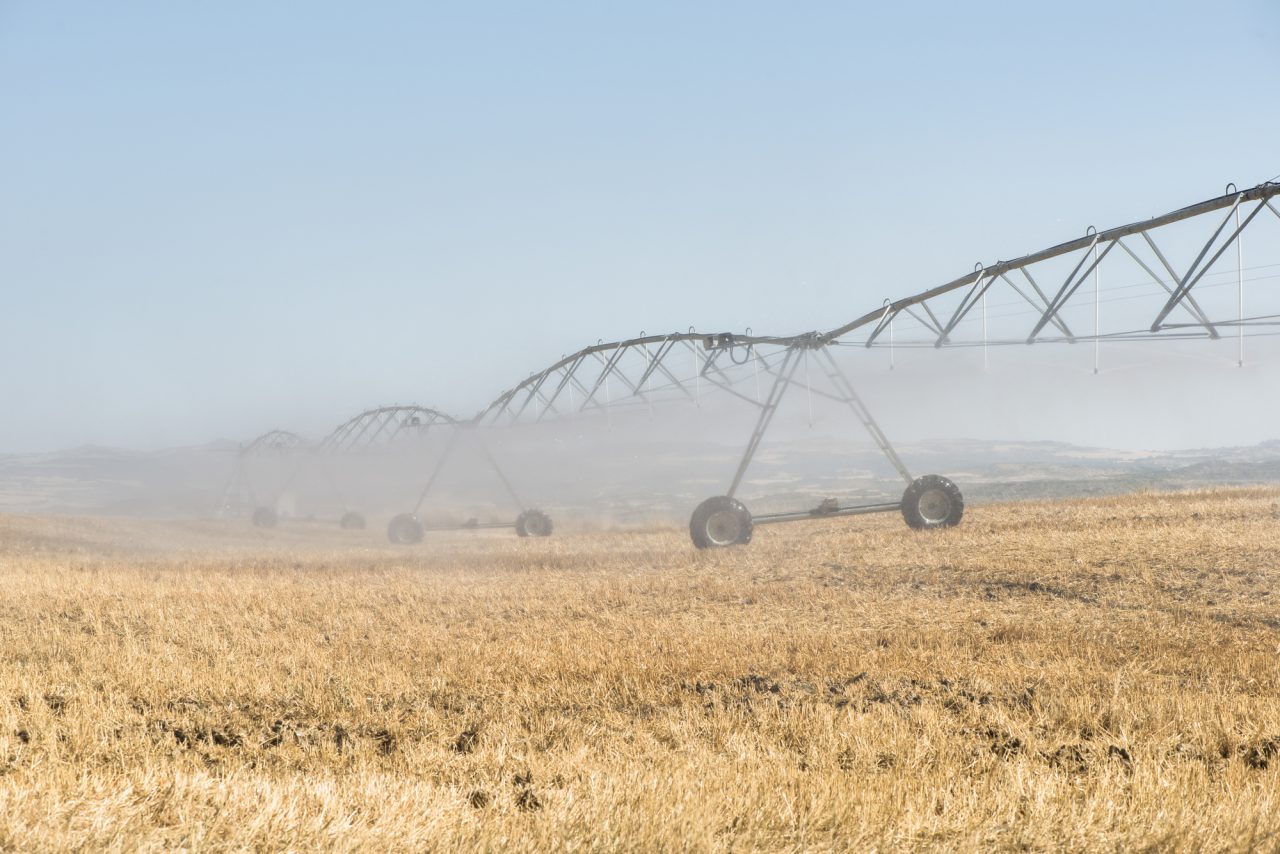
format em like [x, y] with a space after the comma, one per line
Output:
[112, 481]
[624, 481]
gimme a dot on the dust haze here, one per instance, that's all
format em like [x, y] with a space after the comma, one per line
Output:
[1011, 422]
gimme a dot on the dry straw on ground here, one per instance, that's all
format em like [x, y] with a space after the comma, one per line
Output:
[1076, 675]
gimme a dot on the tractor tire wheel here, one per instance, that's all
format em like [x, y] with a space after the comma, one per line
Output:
[265, 517]
[720, 522]
[533, 523]
[404, 529]
[351, 521]
[932, 501]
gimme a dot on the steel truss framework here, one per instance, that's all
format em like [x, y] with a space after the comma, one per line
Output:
[365, 433]
[383, 426]
[1057, 292]
[389, 425]
[759, 369]
[687, 365]
[274, 442]
[278, 445]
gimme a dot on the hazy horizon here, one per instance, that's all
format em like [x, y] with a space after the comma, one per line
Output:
[227, 219]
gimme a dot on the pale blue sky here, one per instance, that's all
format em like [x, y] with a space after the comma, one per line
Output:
[218, 218]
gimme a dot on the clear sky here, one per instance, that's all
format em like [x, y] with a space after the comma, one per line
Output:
[218, 218]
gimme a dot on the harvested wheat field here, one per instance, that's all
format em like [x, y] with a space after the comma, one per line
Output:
[1096, 674]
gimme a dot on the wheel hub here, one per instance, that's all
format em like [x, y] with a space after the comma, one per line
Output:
[724, 528]
[935, 506]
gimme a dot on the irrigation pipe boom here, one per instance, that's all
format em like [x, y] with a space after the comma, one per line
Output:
[1052, 296]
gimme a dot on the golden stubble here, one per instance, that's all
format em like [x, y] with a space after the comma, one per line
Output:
[1097, 674]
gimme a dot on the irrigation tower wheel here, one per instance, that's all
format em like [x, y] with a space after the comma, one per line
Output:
[533, 523]
[351, 521]
[405, 528]
[720, 522]
[932, 501]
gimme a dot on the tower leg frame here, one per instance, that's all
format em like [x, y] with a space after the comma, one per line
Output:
[446, 455]
[844, 392]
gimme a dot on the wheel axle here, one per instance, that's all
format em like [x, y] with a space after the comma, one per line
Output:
[929, 502]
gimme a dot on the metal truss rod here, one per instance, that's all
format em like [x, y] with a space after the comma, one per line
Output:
[712, 364]
[825, 395]
[1070, 286]
[709, 362]
[274, 441]
[604, 374]
[612, 369]
[657, 350]
[539, 396]
[676, 381]
[886, 318]
[385, 422]
[534, 391]
[1189, 303]
[448, 452]
[858, 510]
[937, 324]
[571, 381]
[1040, 307]
[502, 405]
[547, 404]
[1035, 286]
[1187, 283]
[656, 364]
[565, 379]
[582, 389]
[971, 299]
[731, 390]
[497, 469]
[473, 525]
[767, 411]
[654, 359]
[435, 472]
[841, 381]
[613, 347]
[530, 394]
[726, 382]
[931, 324]
[1262, 191]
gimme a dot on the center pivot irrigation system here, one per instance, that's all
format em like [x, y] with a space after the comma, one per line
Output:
[1165, 280]
[272, 464]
